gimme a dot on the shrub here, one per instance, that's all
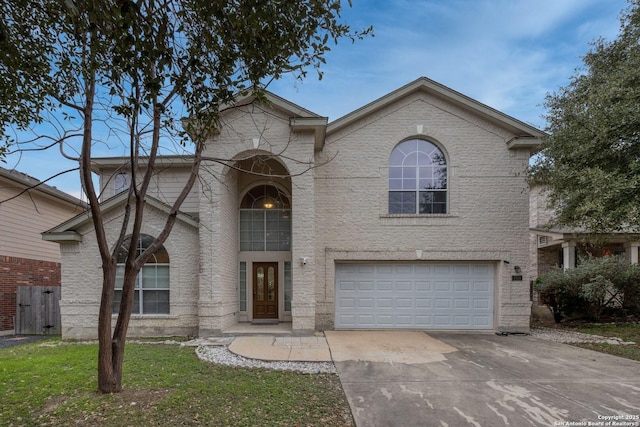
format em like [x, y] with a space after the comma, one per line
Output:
[597, 285]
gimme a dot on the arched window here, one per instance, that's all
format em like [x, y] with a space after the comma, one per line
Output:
[417, 178]
[265, 220]
[152, 284]
[121, 182]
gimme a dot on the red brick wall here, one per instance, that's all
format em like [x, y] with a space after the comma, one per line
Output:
[16, 272]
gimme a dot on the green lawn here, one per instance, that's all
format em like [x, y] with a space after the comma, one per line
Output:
[625, 331]
[164, 385]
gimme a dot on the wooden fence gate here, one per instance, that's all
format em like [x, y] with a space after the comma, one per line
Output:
[38, 310]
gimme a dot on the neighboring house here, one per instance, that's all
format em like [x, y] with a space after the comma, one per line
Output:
[416, 217]
[25, 259]
[556, 247]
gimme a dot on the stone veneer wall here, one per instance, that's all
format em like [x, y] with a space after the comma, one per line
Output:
[82, 281]
[488, 218]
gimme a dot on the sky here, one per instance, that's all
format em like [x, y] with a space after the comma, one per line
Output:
[507, 54]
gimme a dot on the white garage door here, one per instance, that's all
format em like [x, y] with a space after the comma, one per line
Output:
[414, 296]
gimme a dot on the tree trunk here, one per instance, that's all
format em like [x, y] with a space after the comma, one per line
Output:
[107, 381]
[111, 346]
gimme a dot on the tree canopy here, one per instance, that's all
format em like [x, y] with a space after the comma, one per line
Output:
[126, 73]
[590, 161]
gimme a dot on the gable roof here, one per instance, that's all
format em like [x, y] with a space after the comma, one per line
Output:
[527, 136]
[67, 230]
[300, 119]
[288, 107]
[165, 160]
[32, 184]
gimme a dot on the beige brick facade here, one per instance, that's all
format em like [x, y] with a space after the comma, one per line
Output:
[336, 177]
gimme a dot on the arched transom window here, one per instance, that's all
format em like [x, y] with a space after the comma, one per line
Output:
[152, 284]
[417, 178]
[265, 220]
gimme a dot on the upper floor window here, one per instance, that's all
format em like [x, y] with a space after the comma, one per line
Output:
[265, 220]
[417, 178]
[152, 283]
[121, 182]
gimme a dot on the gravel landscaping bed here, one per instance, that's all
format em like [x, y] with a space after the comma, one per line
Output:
[571, 337]
[221, 355]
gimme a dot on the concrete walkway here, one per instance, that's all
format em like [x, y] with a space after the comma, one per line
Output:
[282, 348]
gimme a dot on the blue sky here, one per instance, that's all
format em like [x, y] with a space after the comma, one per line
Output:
[507, 54]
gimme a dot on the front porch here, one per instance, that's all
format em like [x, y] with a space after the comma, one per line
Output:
[246, 328]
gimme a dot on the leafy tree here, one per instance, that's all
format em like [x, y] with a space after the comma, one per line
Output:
[133, 69]
[591, 160]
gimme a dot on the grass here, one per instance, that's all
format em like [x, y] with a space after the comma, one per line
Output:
[625, 331]
[163, 385]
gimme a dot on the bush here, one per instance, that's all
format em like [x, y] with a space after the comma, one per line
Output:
[596, 286]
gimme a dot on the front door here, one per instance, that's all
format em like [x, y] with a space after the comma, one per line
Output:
[265, 290]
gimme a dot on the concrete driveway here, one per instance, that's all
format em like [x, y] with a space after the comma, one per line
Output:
[478, 379]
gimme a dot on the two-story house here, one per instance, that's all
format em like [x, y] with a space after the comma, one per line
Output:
[411, 212]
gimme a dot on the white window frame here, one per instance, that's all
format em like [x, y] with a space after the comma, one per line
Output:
[139, 310]
[416, 190]
[121, 182]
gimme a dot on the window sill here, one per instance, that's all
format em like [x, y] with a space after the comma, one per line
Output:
[413, 219]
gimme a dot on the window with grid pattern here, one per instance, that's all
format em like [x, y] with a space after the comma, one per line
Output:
[265, 220]
[417, 178]
[151, 295]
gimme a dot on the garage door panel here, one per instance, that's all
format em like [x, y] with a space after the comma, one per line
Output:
[403, 303]
[347, 285]
[481, 303]
[404, 270]
[404, 321]
[403, 286]
[422, 321]
[481, 286]
[481, 269]
[367, 320]
[442, 303]
[461, 269]
[384, 286]
[385, 320]
[461, 303]
[365, 268]
[383, 303]
[437, 296]
[365, 285]
[461, 286]
[423, 270]
[423, 302]
[384, 269]
[482, 320]
[345, 303]
[462, 320]
[423, 286]
[442, 286]
[442, 269]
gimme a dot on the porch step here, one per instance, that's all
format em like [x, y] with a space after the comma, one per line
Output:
[258, 329]
[265, 322]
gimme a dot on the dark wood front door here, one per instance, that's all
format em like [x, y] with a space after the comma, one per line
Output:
[265, 290]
